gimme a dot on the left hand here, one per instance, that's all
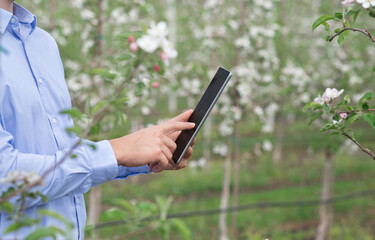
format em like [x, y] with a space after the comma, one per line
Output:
[184, 162]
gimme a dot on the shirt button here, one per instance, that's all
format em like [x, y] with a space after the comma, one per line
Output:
[12, 20]
[40, 81]
[53, 120]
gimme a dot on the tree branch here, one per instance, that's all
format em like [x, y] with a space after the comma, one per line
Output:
[359, 110]
[365, 150]
[363, 31]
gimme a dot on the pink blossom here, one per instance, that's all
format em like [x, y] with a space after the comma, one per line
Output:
[319, 100]
[343, 115]
[164, 56]
[133, 47]
[332, 93]
[131, 39]
[157, 68]
[155, 84]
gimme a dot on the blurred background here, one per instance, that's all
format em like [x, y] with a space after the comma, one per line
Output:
[256, 148]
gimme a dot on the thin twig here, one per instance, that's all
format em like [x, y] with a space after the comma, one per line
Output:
[359, 110]
[365, 150]
[363, 31]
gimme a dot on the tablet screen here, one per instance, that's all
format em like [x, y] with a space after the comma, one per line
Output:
[201, 112]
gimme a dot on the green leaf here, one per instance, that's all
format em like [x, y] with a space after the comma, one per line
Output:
[7, 207]
[14, 227]
[125, 57]
[74, 130]
[321, 20]
[100, 105]
[45, 212]
[365, 106]
[334, 133]
[326, 108]
[328, 126]
[44, 198]
[347, 99]
[342, 38]
[370, 119]
[104, 73]
[367, 96]
[338, 16]
[113, 214]
[326, 27]
[336, 117]
[125, 204]
[140, 87]
[350, 120]
[182, 228]
[314, 117]
[373, 69]
[74, 113]
[93, 146]
[2, 49]
[44, 232]
[310, 105]
[354, 13]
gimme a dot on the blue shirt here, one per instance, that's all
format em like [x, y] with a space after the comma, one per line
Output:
[32, 132]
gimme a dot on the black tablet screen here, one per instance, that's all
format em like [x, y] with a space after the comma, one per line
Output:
[201, 111]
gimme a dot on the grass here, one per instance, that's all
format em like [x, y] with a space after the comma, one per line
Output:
[261, 180]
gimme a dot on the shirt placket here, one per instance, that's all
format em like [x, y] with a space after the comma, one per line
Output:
[38, 77]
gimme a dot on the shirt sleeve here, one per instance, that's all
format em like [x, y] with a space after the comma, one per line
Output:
[93, 164]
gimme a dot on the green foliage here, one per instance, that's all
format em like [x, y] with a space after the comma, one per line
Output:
[321, 20]
[44, 232]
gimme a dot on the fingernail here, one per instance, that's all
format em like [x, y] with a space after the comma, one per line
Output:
[192, 124]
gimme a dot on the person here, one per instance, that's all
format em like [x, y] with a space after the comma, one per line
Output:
[32, 132]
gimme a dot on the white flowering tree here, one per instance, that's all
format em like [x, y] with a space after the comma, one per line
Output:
[340, 113]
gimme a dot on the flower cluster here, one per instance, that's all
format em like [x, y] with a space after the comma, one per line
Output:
[155, 38]
[365, 3]
[328, 95]
[20, 177]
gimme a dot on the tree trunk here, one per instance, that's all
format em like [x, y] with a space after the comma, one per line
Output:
[224, 201]
[96, 192]
[278, 152]
[172, 24]
[326, 210]
[236, 177]
[237, 130]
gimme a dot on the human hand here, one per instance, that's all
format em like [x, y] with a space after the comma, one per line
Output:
[154, 145]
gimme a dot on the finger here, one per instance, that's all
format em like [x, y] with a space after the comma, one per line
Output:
[174, 135]
[170, 127]
[170, 144]
[167, 154]
[193, 143]
[188, 153]
[183, 117]
[161, 165]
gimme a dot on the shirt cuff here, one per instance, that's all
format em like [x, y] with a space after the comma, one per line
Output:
[103, 160]
[124, 172]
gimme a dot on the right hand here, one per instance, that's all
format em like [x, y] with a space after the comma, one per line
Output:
[152, 145]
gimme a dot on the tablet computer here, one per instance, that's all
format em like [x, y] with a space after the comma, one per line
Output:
[201, 112]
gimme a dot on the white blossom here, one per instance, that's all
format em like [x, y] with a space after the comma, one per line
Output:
[366, 3]
[147, 44]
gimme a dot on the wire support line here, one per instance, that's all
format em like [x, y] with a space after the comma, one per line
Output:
[244, 207]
